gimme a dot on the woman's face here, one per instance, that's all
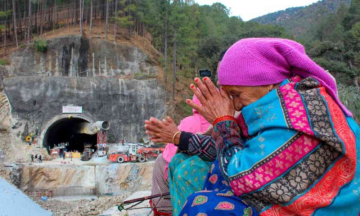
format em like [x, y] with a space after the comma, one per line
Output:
[244, 95]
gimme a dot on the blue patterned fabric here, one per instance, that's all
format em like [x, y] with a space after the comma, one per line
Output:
[292, 152]
[187, 175]
[216, 198]
[348, 201]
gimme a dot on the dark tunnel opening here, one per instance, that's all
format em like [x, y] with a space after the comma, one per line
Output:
[65, 131]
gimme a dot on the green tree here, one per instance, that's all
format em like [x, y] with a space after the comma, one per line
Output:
[209, 51]
[183, 22]
[339, 70]
[337, 34]
[350, 96]
[354, 37]
[125, 16]
[352, 16]
[4, 15]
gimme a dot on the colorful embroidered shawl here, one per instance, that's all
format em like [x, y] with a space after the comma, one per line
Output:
[296, 153]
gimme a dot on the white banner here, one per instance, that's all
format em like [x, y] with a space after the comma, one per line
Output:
[72, 110]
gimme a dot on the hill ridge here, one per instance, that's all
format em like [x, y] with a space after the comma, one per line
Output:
[298, 20]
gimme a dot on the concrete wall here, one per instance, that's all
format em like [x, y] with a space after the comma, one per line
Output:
[113, 179]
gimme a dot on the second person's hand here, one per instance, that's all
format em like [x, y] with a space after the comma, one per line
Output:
[162, 131]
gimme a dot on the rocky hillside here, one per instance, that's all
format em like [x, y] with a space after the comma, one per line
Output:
[76, 56]
[299, 20]
[118, 79]
[4, 113]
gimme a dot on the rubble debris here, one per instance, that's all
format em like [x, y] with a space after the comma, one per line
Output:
[142, 209]
[81, 207]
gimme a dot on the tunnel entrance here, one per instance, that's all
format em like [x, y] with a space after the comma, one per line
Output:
[66, 131]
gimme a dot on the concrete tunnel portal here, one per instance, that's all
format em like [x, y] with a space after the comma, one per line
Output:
[66, 130]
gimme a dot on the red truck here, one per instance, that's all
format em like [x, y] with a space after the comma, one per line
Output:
[135, 154]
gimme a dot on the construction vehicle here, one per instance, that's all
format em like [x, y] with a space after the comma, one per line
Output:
[135, 154]
[102, 150]
[87, 153]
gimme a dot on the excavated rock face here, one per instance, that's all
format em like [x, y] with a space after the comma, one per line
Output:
[117, 178]
[3, 73]
[95, 74]
[5, 121]
[11, 173]
[67, 180]
[124, 103]
[74, 56]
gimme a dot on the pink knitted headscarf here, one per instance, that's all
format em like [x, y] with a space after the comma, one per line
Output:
[266, 61]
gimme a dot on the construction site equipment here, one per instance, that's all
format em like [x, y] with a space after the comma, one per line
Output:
[102, 150]
[93, 128]
[55, 152]
[75, 154]
[86, 155]
[58, 150]
[135, 154]
[28, 139]
[150, 153]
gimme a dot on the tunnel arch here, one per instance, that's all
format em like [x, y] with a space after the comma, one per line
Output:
[62, 129]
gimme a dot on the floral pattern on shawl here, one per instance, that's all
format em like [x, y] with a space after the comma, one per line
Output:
[305, 143]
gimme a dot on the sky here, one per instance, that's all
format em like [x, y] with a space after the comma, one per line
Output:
[249, 9]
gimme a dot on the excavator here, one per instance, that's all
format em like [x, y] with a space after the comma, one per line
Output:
[135, 154]
[87, 153]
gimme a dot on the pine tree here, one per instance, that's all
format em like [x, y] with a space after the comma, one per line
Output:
[181, 27]
[29, 25]
[42, 16]
[91, 17]
[125, 16]
[353, 15]
[115, 23]
[166, 31]
[4, 15]
[107, 19]
[14, 19]
[81, 16]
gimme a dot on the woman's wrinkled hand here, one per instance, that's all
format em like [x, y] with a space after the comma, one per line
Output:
[162, 131]
[215, 103]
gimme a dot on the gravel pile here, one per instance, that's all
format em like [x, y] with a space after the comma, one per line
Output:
[82, 207]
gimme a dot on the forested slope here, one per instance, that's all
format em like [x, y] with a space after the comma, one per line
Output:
[299, 20]
[330, 30]
[190, 36]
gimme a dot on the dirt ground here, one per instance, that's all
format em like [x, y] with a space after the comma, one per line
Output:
[82, 207]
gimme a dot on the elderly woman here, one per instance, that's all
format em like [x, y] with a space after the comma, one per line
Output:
[293, 149]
